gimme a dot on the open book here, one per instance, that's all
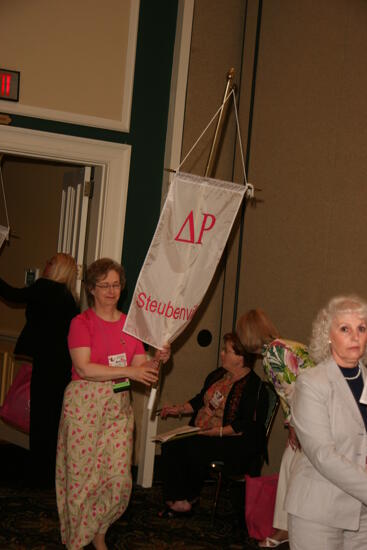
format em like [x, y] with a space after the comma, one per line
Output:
[182, 431]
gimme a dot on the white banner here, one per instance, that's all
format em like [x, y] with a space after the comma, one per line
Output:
[188, 243]
[4, 234]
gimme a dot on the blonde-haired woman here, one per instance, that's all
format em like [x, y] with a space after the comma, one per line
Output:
[283, 360]
[327, 495]
[50, 305]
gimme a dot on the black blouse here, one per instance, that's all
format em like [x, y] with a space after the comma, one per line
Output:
[49, 309]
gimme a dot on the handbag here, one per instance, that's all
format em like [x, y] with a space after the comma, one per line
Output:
[16, 407]
[259, 505]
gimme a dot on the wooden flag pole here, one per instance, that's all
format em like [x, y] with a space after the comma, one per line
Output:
[220, 122]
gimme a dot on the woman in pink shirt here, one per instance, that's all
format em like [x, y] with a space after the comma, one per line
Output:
[93, 471]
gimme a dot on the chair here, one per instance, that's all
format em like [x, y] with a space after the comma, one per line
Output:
[217, 466]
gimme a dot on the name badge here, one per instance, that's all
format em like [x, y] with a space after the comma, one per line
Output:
[216, 400]
[119, 360]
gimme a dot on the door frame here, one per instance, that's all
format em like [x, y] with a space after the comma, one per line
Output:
[113, 158]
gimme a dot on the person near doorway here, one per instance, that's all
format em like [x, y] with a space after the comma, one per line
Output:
[93, 467]
[50, 303]
[282, 361]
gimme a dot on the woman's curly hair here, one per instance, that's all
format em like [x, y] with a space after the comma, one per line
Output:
[319, 347]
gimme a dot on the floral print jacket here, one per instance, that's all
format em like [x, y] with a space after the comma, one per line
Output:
[282, 361]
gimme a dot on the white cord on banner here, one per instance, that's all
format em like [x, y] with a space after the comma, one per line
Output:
[249, 188]
[203, 132]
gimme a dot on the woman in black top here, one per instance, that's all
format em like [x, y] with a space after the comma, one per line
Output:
[50, 305]
[230, 411]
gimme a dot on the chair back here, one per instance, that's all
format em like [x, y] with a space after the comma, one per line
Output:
[273, 406]
[254, 469]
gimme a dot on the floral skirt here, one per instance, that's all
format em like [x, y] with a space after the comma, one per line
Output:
[93, 464]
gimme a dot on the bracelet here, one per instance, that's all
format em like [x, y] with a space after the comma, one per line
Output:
[221, 431]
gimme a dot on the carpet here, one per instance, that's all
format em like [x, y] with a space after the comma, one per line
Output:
[29, 519]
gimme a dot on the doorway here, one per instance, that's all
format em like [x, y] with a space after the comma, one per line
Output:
[111, 166]
[112, 159]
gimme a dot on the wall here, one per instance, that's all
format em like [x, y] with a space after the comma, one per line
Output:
[150, 85]
[302, 116]
[33, 194]
[302, 243]
[76, 59]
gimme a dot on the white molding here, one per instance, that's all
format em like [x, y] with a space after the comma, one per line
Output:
[112, 157]
[177, 104]
[122, 124]
[130, 64]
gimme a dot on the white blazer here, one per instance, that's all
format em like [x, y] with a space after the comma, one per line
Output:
[328, 483]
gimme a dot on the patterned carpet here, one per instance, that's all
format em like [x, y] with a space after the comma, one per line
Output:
[29, 517]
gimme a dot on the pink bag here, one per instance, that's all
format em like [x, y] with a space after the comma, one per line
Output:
[259, 505]
[15, 409]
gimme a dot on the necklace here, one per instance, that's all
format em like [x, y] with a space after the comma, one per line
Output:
[355, 376]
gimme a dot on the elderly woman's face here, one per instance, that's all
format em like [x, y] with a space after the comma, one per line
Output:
[348, 337]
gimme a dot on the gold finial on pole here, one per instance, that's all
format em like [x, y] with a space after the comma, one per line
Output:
[213, 150]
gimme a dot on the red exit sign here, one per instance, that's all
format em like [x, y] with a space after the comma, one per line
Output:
[9, 85]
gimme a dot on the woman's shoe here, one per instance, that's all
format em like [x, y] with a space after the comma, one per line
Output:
[271, 543]
[167, 512]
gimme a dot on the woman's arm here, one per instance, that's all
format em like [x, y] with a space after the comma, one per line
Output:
[278, 375]
[196, 402]
[220, 431]
[311, 418]
[140, 370]
[163, 354]
[14, 295]
[250, 414]
[176, 410]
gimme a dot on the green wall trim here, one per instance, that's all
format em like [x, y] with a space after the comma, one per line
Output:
[154, 56]
[67, 129]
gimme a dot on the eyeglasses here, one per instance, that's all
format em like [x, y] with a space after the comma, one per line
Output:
[106, 286]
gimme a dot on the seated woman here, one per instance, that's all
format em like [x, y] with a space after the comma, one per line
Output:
[231, 411]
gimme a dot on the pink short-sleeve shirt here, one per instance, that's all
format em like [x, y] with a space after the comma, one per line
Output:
[104, 338]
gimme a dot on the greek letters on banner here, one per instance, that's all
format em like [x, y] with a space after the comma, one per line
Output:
[188, 243]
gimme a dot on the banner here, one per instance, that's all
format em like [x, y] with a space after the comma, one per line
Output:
[4, 234]
[188, 243]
